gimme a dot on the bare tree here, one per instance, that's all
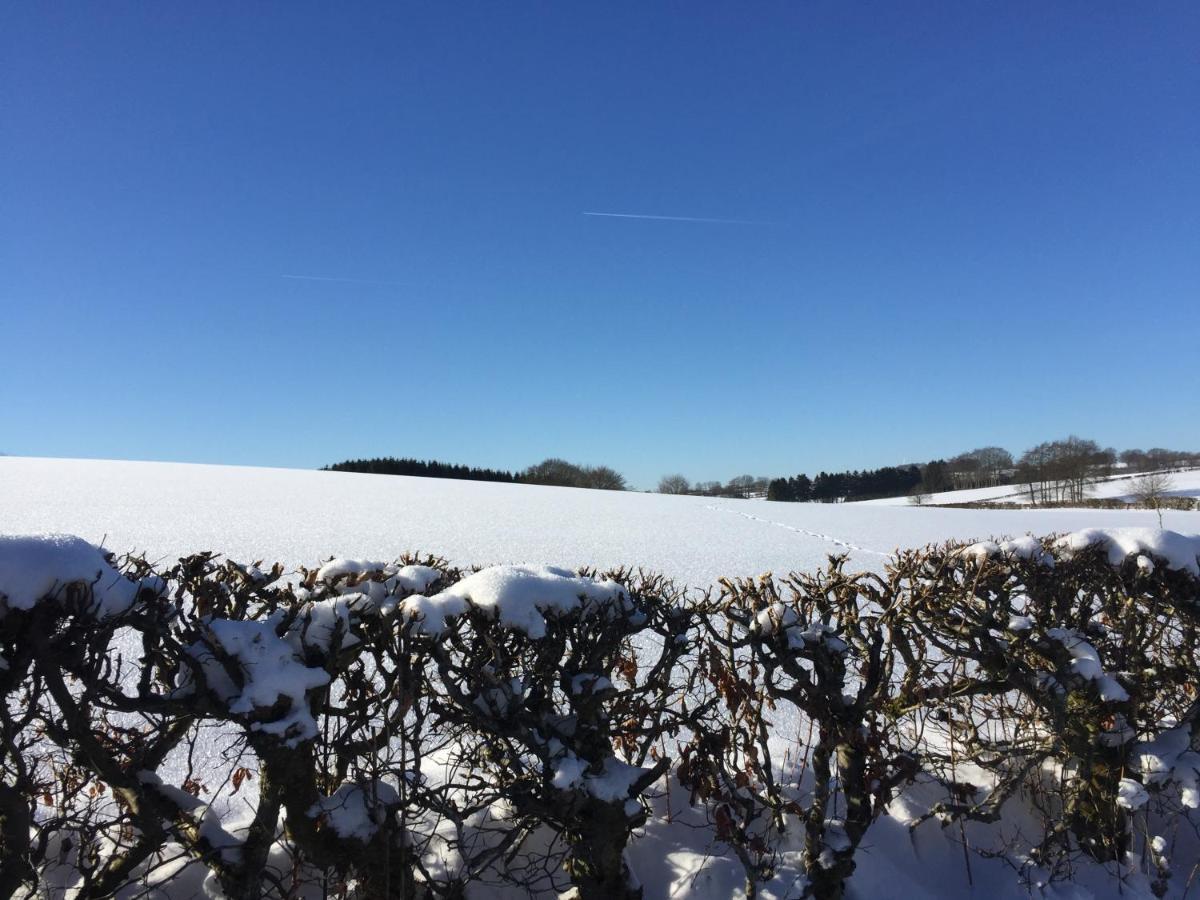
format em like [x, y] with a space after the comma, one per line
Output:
[553, 471]
[559, 472]
[673, 484]
[603, 478]
[1061, 471]
[1150, 489]
[741, 486]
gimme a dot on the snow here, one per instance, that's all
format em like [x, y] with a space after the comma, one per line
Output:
[616, 781]
[356, 811]
[588, 683]
[1185, 483]
[1086, 664]
[35, 566]
[568, 771]
[322, 619]
[1131, 794]
[775, 617]
[521, 597]
[297, 517]
[407, 578]
[211, 827]
[341, 568]
[1179, 551]
[1169, 758]
[1179, 484]
[779, 617]
[270, 672]
[1019, 623]
[1025, 547]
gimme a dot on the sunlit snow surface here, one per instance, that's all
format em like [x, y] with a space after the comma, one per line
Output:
[302, 517]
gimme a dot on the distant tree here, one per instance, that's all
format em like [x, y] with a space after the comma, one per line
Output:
[936, 477]
[801, 487]
[1134, 459]
[981, 467]
[1103, 462]
[1159, 458]
[780, 489]
[1033, 470]
[964, 472]
[1062, 470]
[603, 478]
[1078, 463]
[559, 472]
[1150, 489]
[741, 486]
[673, 484]
[993, 459]
[554, 471]
[824, 488]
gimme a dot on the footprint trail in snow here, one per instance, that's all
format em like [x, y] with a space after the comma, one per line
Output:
[804, 531]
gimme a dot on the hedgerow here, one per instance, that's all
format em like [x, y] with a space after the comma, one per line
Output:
[407, 729]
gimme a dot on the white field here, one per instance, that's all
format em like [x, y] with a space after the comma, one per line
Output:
[301, 517]
[1119, 487]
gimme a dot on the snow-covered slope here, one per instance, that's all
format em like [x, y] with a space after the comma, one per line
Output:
[1181, 484]
[302, 517]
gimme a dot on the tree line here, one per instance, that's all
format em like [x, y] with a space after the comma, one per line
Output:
[741, 486]
[552, 471]
[422, 468]
[1051, 472]
[890, 481]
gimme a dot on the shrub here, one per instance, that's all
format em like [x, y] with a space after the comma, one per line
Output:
[313, 688]
[552, 711]
[400, 729]
[1063, 665]
[831, 649]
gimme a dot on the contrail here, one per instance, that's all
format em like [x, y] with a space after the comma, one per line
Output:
[678, 218]
[345, 280]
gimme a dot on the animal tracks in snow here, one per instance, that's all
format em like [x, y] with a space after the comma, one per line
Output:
[838, 542]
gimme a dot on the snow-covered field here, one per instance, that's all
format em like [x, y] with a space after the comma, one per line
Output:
[304, 517]
[301, 517]
[1118, 487]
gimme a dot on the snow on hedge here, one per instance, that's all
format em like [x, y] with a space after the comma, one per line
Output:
[520, 597]
[208, 822]
[1178, 551]
[356, 811]
[270, 671]
[1026, 547]
[1085, 662]
[393, 578]
[34, 567]
[1169, 758]
[779, 617]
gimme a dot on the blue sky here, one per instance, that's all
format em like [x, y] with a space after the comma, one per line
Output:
[955, 224]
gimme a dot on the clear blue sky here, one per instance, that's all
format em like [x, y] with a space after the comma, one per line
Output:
[953, 224]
